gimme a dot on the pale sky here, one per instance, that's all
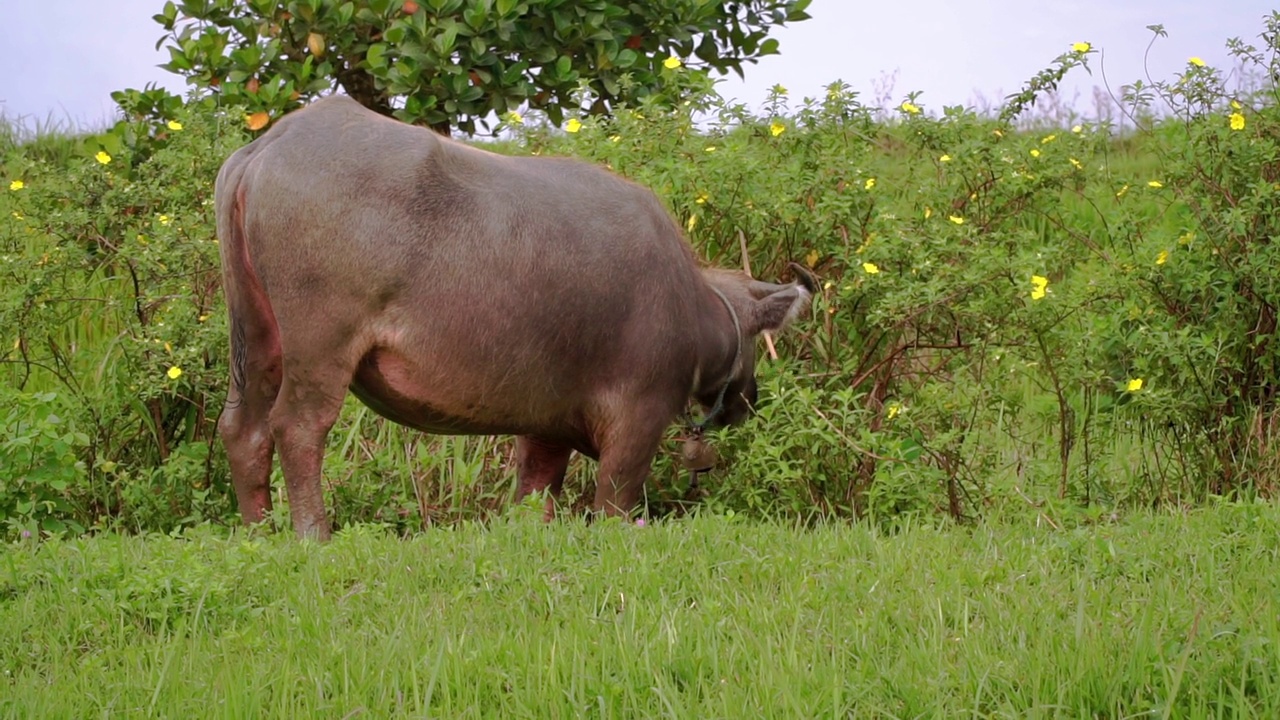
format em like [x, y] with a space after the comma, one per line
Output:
[62, 59]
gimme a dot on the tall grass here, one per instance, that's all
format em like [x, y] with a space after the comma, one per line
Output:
[52, 140]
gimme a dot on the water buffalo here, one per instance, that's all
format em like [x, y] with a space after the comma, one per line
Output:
[459, 291]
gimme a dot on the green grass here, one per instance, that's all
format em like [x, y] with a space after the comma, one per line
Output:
[1162, 616]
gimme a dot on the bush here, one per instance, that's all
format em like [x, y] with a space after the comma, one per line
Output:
[1013, 316]
[111, 290]
[41, 473]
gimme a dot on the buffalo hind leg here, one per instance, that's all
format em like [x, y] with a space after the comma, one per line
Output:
[541, 466]
[308, 405]
[244, 426]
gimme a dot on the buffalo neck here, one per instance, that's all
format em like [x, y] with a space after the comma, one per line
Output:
[720, 343]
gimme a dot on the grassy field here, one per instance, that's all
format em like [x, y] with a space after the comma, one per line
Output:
[1160, 616]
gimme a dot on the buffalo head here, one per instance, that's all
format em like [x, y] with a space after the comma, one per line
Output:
[754, 307]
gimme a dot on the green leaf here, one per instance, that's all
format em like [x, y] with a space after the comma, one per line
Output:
[396, 33]
[178, 60]
[476, 16]
[446, 40]
[376, 55]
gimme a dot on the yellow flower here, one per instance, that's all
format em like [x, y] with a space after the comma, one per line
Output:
[1077, 129]
[615, 138]
[1039, 286]
[573, 126]
[1133, 385]
[174, 373]
[870, 268]
[945, 158]
[1237, 121]
[1077, 163]
[997, 133]
[1081, 47]
[17, 185]
[956, 219]
[892, 410]
[870, 183]
[711, 148]
[1035, 152]
[1198, 63]
[1048, 139]
[174, 125]
[812, 259]
[515, 118]
[910, 108]
[164, 219]
[776, 128]
[1123, 190]
[1186, 238]
[1235, 105]
[17, 215]
[202, 318]
[1155, 184]
[702, 198]
[1163, 257]
[102, 157]
[672, 63]
[928, 212]
[693, 222]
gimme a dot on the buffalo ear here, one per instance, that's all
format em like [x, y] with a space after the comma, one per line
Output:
[804, 277]
[774, 311]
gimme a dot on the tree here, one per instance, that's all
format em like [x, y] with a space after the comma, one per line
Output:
[451, 63]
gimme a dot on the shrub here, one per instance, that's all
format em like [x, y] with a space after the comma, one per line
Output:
[111, 290]
[1012, 315]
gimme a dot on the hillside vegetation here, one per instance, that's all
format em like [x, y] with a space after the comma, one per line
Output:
[1056, 320]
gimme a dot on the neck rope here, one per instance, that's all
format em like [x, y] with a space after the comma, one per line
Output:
[718, 408]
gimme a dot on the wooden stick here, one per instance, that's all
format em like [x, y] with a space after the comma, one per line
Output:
[768, 343]
[746, 267]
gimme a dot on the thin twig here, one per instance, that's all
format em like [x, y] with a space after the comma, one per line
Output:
[1037, 506]
[852, 444]
[746, 259]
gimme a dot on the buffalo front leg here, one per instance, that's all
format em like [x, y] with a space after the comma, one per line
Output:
[624, 467]
[541, 466]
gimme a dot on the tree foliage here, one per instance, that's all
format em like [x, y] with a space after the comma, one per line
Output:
[451, 63]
